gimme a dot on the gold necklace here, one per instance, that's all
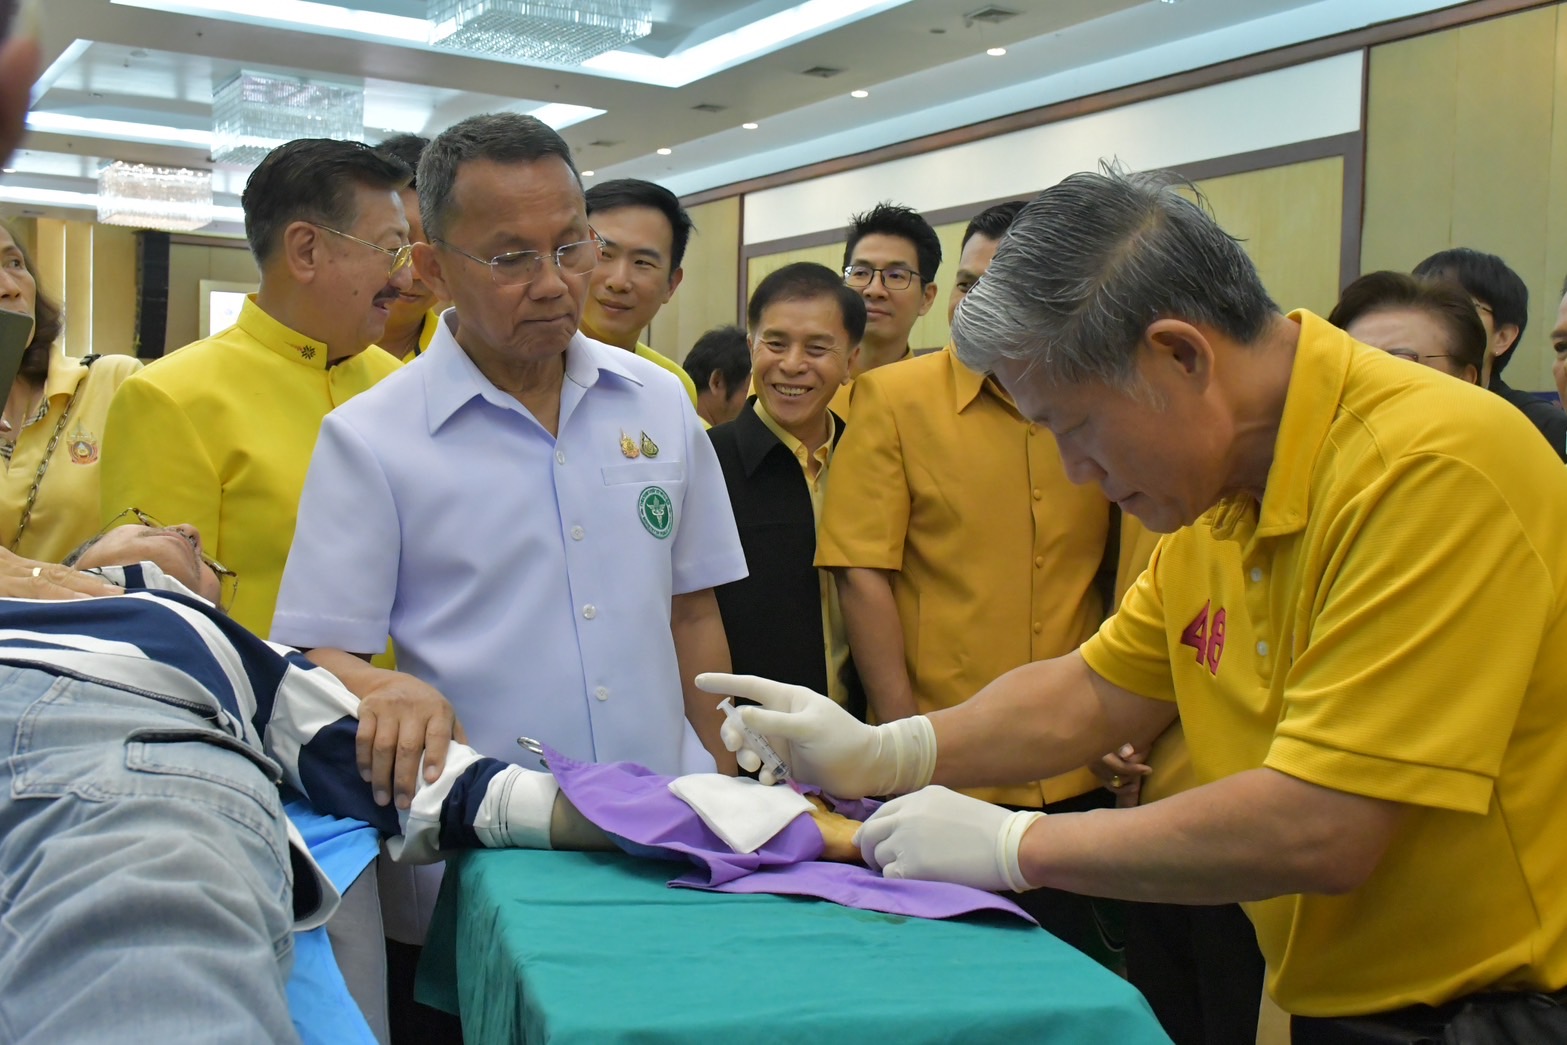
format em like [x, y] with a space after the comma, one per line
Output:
[43, 466]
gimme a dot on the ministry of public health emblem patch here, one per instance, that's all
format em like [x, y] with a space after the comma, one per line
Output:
[656, 512]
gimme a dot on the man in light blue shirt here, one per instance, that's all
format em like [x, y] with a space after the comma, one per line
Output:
[537, 519]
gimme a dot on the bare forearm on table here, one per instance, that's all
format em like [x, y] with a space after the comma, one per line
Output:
[1250, 836]
[870, 615]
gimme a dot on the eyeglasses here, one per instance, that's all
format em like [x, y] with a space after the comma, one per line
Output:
[228, 580]
[1415, 357]
[520, 267]
[896, 278]
[402, 257]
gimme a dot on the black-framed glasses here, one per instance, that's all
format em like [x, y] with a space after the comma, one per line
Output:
[895, 277]
[520, 267]
[402, 257]
[228, 580]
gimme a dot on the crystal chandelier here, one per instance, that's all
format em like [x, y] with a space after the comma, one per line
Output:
[252, 114]
[563, 32]
[171, 199]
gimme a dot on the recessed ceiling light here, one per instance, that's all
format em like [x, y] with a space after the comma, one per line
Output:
[996, 52]
[587, 174]
[665, 152]
[750, 126]
[859, 94]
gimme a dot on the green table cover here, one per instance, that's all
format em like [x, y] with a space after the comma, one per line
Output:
[536, 947]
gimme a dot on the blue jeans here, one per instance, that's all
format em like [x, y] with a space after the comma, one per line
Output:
[145, 880]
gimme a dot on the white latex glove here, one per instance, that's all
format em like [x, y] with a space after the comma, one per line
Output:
[941, 836]
[824, 744]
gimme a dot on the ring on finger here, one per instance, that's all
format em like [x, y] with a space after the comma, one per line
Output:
[1118, 781]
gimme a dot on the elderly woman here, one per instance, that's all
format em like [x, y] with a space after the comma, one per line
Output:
[51, 424]
[1423, 321]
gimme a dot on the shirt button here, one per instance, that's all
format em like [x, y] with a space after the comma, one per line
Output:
[576, 533]
[1032, 429]
[589, 611]
[1256, 574]
[1038, 627]
[1037, 494]
[1039, 562]
[560, 457]
[1262, 649]
[602, 693]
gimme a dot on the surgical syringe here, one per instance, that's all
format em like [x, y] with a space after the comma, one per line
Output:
[758, 743]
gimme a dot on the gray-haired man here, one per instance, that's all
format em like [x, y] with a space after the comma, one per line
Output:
[1381, 778]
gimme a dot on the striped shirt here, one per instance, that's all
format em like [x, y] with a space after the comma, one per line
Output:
[161, 642]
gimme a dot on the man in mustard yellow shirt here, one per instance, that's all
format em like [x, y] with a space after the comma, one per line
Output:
[219, 433]
[644, 230]
[950, 517]
[1380, 779]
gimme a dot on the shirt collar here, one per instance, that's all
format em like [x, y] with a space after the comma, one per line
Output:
[968, 384]
[290, 344]
[1317, 378]
[65, 374]
[823, 453]
[451, 379]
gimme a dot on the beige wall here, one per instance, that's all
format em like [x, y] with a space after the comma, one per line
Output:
[91, 270]
[189, 264]
[1466, 145]
[707, 295]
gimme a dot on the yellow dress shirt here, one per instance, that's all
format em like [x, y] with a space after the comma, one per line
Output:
[432, 322]
[219, 434]
[835, 635]
[1390, 621]
[66, 509]
[993, 551]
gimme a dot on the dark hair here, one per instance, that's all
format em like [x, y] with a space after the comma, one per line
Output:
[804, 280]
[723, 349]
[312, 179]
[501, 137]
[634, 192]
[48, 319]
[408, 148]
[1442, 300]
[992, 222]
[1487, 279]
[1090, 262]
[892, 219]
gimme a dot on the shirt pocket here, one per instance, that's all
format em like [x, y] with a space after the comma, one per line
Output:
[649, 472]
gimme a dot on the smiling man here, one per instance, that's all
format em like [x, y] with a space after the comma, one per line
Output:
[783, 620]
[411, 325]
[1378, 779]
[219, 433]
[537, 519]
[890, 259]
[644, 230]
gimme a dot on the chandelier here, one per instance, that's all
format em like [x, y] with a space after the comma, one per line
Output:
[562, 32]
[170, 199]
[253, 113]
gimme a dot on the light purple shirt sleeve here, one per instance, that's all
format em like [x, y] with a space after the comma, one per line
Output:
[707, 549]
[341, 575]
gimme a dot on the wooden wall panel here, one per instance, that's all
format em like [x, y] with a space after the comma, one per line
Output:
[1466, 146]
[1290, 221]
[709, 289]
[189, 264]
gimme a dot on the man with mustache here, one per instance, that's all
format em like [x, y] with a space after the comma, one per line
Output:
[219, 433]
[417, 311]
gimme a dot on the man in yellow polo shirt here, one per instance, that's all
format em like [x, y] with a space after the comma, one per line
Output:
[219, 433]
[645, 230]
[950, 516]
[411, 325]
[1381, 774]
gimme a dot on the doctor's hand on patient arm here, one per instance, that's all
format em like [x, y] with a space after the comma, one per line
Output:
[403, 723]
[822, 743]
[943, 836]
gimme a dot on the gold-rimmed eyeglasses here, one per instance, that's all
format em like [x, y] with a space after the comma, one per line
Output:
[228, 580]
[402, 257]
[521, 267]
